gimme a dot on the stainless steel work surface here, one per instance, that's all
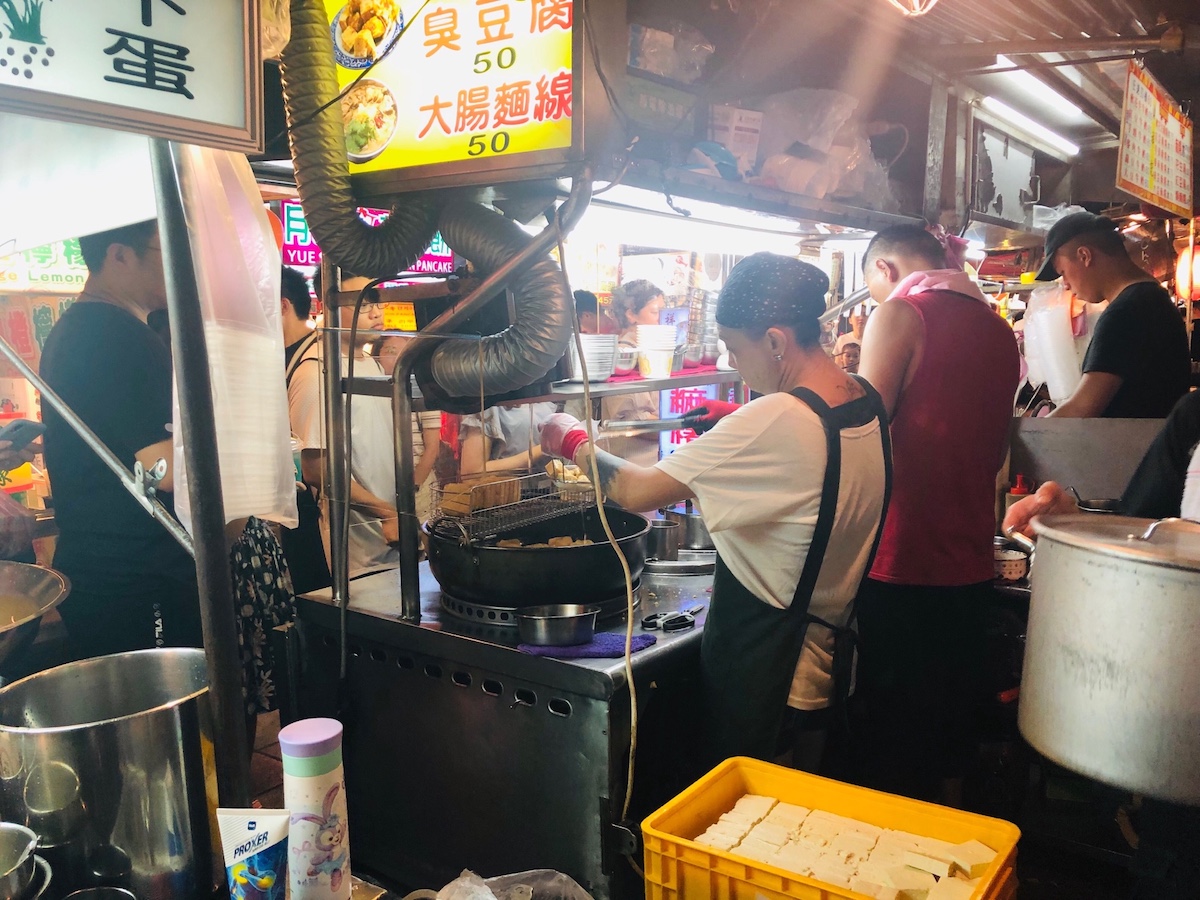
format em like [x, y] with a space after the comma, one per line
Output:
[375, 611]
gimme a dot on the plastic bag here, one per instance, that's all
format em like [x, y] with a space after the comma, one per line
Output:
[1050, 342]
[536, 884]
[1045, 216]
[276, 20]
[16, 527]
[237, 271]
[812, 117]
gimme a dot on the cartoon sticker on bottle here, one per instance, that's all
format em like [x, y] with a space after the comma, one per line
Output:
[319, 846]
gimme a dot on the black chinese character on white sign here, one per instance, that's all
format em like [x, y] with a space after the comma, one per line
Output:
[148, 15]
[156, 65]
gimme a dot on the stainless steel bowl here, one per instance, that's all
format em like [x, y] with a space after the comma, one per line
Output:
[627, 359]
[561, 625]
[26, 594]
[17, 867]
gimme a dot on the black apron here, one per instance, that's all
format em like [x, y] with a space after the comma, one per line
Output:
[303, 547]
[750, 649]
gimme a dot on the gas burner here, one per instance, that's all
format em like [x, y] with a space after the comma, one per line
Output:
[506, 616]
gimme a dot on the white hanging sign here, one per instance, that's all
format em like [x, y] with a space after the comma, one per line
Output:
[186, 70]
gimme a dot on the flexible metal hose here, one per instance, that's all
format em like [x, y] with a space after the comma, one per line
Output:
[319, 157]
[522, 353]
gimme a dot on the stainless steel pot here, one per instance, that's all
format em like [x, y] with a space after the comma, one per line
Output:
[110, 761]
[1109, 686]
[561, 625]
[695, 535]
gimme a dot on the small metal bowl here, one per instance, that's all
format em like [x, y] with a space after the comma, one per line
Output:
[17, 845]
[627, 359]
[562, 625]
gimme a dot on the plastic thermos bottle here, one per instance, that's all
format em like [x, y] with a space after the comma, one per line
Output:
[314, 791]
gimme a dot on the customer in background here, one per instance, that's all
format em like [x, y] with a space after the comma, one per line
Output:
[374, 530]
[1138, 362]
[504, 439]
[426, 432]
[305, 545]
[847, 352]
[947, 368]
[636, 303]
[132, 585]
[592, 317]
[643, 448]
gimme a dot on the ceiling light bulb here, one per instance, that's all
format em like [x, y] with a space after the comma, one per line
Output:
[914, 7]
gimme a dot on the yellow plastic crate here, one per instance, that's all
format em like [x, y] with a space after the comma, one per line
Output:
[677, 868]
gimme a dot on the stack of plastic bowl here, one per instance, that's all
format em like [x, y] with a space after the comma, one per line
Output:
[657, 346]
[600, 354]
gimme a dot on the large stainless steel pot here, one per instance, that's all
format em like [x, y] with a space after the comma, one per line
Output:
[109, 761]
[1110, 687]
[518, 576]
[695, 534]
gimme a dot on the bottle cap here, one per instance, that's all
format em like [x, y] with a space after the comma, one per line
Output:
[310, 737]
[1023, 486]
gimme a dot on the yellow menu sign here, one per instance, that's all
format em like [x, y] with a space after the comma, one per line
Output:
[452, 81]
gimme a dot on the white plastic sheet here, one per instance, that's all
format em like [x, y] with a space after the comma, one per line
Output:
[1050, 342]
[237, 271]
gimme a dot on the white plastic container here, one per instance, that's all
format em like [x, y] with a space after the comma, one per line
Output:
[314, 789]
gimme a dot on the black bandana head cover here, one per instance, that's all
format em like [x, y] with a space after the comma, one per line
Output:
[766, 289]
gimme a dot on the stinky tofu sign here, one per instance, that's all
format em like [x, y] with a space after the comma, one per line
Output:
[1155, 162]
[186, 70]
[456, 86]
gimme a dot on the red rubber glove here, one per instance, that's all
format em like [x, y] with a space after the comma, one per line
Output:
[708, 414]
[562, 436]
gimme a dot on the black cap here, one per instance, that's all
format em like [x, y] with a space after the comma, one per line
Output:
[1067, 229]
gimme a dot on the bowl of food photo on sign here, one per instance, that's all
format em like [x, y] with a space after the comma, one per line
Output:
[363, 30]
[368, 119]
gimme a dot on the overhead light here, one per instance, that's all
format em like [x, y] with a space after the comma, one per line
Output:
[914, 7]
[1139, 217]
[1034, 129]
[1031, 87]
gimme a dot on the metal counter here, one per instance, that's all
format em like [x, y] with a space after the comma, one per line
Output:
[463, 752]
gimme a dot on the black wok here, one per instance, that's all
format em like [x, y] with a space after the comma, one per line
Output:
[530, 576]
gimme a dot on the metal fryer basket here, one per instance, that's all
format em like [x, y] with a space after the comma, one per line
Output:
[541, 498]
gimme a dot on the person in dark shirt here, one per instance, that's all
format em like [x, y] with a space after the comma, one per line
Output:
[132, 585]
[1138, 364]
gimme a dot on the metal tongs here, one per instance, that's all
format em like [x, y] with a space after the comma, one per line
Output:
[620, 428]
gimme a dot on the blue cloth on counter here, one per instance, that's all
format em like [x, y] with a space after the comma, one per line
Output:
[605, 645]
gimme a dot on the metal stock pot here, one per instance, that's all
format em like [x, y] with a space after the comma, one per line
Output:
[1111, 687]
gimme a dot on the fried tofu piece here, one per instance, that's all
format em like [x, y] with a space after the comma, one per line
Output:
[973, 857]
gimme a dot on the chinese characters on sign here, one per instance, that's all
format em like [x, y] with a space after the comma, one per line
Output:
[676, 402]
[474, 79]
[1155, 162]
[188, 70]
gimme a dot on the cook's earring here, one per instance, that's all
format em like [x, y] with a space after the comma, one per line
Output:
[778, 357]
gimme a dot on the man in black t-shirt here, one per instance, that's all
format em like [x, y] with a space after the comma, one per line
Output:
[132, 585]
[1138, 364]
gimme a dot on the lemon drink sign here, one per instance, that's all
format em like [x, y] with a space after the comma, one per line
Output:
[453, 80]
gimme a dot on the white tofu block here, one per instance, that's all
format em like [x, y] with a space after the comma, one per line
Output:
[754, 807]
[873, 872]
[756, 850]
[934, 866]
[821, 829]
[951, 889]
[794, 859]
[787, 815]
[832, 870]
[886, 856]
[865, 828]
[853, 840]
[928, 846]
[718, 840]
[769, 833]
[913, 884]
[973, 857]
[739, 824]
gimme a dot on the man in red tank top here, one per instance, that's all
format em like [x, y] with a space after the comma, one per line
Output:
[947, 368]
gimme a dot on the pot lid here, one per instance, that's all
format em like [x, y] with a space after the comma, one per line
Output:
[1173, 543]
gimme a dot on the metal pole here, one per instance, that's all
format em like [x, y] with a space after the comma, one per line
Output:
[1170, 41]
[935, 149]
[337, 489]
[410, 590]
[189, 350]
[151, 505]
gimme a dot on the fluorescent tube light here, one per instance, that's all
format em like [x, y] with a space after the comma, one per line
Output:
[1037, 91]
[1034, 129]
